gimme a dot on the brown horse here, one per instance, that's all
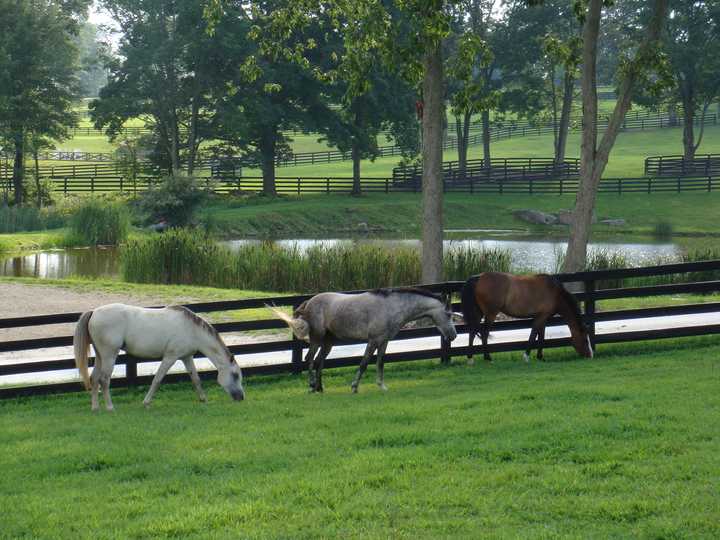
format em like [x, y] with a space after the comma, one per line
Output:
[537, 296]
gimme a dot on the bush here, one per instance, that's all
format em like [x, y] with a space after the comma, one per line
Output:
[100, 222]
[174, 199]
[180, 256]
[663, 230]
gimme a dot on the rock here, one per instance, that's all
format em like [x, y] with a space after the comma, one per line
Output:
[613, 222]
[536, 217]
[363, 227]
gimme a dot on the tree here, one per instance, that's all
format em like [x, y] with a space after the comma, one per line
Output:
[270, 94]
[37, 74]
[594, 157]
[691, 41]
[166, 66]
[92, 74]
[388, 104]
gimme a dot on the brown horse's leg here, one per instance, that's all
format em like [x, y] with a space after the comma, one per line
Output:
[541, 342]
[538, 330]
[485, 334]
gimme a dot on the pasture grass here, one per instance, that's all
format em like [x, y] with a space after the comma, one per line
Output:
[621, 446]
[311, 215]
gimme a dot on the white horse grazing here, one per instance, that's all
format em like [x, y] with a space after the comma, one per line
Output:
[172, 333]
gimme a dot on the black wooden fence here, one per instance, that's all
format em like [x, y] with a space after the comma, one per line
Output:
[701, 164]
[531, 185]
[445, 350]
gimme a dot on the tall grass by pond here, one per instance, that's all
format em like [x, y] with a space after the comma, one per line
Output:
[99, 222]
[15, 219]
[189, 257]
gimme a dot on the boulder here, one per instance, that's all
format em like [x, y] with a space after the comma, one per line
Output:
[535, 217]
[613, 222]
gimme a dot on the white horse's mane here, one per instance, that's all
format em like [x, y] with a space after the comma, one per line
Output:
[202, 323]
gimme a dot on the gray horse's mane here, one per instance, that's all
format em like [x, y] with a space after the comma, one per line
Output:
[406, 290]
[202, 323]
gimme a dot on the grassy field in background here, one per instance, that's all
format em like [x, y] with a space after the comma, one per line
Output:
[624, 446]
[400, 213]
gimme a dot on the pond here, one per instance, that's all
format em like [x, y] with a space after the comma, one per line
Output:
[538, 254]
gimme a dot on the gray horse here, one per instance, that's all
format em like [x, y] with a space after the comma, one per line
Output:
[376, 316]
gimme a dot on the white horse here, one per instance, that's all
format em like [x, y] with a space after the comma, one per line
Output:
[172, 333]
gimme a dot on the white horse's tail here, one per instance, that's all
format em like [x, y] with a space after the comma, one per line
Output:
[81, 344]
[299, 326]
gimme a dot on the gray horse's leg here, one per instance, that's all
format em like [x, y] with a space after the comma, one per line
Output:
[381, 366]
[194, 377]
[363, 366]
[310, 361]
[319, 362]
[165, 365]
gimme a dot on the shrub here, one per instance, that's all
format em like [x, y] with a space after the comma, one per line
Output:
[97, 222]
[663, 230]
[190, 257]
[174, 199]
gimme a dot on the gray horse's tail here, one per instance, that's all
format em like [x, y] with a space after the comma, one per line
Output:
[470, 310]
[299, 326]
[81, 345]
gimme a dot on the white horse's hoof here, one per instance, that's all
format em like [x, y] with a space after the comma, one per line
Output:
[354, 389]
[526, 357]
[146, 404]
[471, 362]
[383, 387]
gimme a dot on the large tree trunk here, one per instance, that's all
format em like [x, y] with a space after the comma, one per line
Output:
[593, 158]
[564, 127]
[462, 132]
[432, 180]
[355, 151]
[192, 134]
[688, 126]
[18, 168]
[486, 138]
[268, 145]
[38, 187]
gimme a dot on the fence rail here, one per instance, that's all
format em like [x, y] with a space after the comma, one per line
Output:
[701, 164]
[531, 185]
[589, 298]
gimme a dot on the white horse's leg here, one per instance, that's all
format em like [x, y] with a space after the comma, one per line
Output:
[165, 365]
[95, 388]
[381, 366]
[310, 360]
[108, 365]
[194, 377]
[363, 366]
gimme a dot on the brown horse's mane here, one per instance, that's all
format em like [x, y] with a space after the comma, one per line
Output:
[202, 323]
[570, 300]
[406, 290]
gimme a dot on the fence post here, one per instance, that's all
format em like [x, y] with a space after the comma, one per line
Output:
[387, 185]
[327, 186]
[590, 310]
[709, 184]
[649, 185]
[678, 184]
[298, 186]
[65, 185]
[619, 188]
[561, 185]
[131, 369]
[92, 185]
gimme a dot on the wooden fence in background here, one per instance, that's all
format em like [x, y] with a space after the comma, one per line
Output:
[343, 185]
[700, 165]
[701, 273]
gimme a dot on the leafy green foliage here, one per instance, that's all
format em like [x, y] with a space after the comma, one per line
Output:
[174, 199]
[100, 222]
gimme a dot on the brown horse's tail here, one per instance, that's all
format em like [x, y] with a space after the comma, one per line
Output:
[470, 310]
[299, 326]
[81, 344]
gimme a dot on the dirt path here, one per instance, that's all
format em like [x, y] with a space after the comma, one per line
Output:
[20, 300]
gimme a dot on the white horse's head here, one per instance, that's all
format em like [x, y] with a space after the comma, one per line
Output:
[230, 378]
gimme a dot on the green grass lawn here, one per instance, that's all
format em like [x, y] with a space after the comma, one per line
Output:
[623, 446]
[689, 213]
